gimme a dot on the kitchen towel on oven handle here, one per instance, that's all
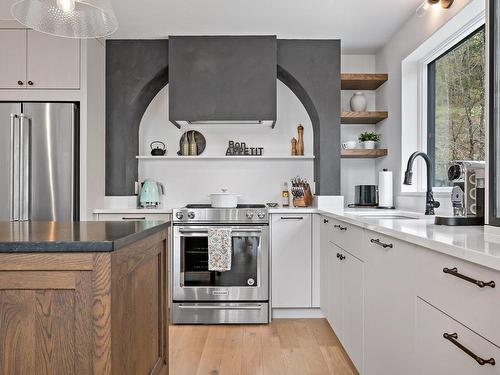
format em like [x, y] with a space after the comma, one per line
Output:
[219, 249]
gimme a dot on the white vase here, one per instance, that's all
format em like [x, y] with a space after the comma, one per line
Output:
[369, 145]
[358, 102]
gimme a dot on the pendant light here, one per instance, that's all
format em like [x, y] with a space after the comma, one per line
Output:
[67, 18]
[445, 4]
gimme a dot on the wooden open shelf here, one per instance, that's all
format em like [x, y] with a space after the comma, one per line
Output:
[362, 153]
[363, 117]
[357, 81]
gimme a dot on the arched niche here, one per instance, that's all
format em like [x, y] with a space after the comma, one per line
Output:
[138, 69]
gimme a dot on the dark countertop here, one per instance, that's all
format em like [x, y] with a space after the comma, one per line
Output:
[83, 236]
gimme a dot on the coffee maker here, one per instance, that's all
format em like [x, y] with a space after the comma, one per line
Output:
[467, 195]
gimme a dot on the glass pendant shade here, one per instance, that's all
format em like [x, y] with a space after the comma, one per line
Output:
[67, 18]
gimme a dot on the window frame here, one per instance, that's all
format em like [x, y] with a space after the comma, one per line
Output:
[431, 100]
[414, 83]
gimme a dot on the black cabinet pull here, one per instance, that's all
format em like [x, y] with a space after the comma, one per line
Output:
[454, 272]
[340, 227]
[342, 257]
[292, 218]
[378, 242]
[134, 218]
[20, 83]
[452, 337]
[30, 83]
[325, 221]
[338, 255]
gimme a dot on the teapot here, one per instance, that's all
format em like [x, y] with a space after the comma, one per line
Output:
[158, 148]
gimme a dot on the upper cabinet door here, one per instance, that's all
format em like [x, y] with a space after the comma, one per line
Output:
[13, 58]
[53, 62]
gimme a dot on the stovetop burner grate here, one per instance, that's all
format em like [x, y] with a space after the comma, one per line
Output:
[206, 205]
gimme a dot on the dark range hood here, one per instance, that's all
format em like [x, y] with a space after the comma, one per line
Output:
[222, 80]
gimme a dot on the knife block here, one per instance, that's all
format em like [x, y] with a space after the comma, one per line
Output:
[304, 201]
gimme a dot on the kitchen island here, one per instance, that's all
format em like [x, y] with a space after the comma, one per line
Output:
[83, 298]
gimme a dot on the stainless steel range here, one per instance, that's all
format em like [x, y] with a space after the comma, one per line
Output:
[240, 295]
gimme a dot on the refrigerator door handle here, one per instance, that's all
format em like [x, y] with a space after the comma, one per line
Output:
[24, 163]
[14, 169]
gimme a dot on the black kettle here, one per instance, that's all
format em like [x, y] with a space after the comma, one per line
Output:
[158, 148]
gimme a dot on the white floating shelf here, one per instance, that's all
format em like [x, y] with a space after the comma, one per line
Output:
[242, 157]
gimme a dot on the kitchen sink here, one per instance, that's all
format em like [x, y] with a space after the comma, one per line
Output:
[388, 217]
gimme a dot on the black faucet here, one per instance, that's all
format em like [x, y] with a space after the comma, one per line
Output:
[430, 203]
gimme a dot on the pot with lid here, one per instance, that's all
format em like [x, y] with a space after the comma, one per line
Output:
[223, 199]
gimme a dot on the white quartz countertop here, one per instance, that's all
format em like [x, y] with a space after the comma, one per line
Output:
[470, 243]
[132, 211]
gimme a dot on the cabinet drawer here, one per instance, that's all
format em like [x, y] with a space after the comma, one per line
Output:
[478, 308]
[438, 356]
[132, 217]
[347, 237]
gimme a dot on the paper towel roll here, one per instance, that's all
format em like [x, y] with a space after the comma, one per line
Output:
[385, 189]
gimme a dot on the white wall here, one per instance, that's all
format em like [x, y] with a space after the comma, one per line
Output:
[357, 171]
[413, 33]
[258, 181]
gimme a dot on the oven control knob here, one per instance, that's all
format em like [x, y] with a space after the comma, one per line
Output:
[179, 215]
[191, 215]
[261, 215]
[249, 214]
[251, 282]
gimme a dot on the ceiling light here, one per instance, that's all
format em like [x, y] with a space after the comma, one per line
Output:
[445, 4]
[67, 18]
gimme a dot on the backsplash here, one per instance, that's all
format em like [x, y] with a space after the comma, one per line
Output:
[191, 181]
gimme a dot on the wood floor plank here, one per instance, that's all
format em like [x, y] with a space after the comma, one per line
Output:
[284, 347]
[233, 351]
[213, 351]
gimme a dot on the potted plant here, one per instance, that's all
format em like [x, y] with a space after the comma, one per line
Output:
[369, 139]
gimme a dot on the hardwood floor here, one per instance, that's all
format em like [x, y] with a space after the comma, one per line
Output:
[284, 347]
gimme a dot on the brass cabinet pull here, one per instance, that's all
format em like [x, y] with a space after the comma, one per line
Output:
[454, 272]
[378, 242]
[453, 337]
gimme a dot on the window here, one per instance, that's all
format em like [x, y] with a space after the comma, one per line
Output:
[456, 105]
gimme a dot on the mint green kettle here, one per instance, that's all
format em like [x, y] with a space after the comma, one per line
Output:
[149, 196]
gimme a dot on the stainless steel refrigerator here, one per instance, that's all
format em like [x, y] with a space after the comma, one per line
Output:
[39, 174]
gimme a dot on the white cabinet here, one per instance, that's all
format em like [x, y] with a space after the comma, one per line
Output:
[345, 289]
[335, 290]
[437, 355]
[13, 58]
[53, 62]
[457, 293]
[36, 60]
[353, 306]
[291, 243]
[324, 270]
[389, 305]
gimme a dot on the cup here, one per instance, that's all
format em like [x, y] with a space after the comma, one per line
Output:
[349, 145]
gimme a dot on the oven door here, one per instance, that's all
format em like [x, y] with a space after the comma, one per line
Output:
[248, 279]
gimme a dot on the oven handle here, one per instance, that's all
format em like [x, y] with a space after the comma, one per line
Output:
[245, 230]
[213, 307]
